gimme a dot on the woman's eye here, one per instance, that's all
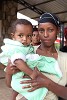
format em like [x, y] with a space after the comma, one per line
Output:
[33, 35]
[50, 30]
[41, 30]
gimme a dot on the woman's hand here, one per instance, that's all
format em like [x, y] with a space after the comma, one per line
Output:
[10, 70]
[39, 82]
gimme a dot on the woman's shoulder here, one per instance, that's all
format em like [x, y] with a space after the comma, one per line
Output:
[35, 48]
[62, 57]
[62, 54]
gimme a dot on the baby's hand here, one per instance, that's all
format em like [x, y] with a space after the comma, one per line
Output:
[34, 73]
[11, 69]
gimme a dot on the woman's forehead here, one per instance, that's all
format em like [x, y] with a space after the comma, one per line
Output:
[49, 17]
[47, 24]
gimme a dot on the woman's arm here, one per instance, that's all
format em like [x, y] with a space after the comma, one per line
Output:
[58, 89]
[10, 70]
[8, 78]
[2, 66]
[43, 81]
[9, 73]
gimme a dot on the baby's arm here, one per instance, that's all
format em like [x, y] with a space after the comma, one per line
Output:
[19, 60]
[20, 64]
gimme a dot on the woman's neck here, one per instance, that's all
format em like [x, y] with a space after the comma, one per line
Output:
[48, 48]
[49, 51]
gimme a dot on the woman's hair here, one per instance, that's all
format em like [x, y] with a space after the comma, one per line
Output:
[35, 29]
[49, 17]
[19, 21]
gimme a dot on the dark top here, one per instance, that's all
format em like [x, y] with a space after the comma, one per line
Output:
[64, 49]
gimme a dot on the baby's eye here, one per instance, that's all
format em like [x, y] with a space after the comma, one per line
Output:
[21, 36]
[29, 36]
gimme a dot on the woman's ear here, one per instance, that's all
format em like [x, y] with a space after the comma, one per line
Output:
[58, 30]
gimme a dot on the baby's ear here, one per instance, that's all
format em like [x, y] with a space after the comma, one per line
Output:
[12, 35]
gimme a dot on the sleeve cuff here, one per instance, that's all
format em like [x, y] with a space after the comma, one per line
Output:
[18, 56]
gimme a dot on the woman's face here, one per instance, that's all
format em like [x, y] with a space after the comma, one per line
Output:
[35, 37]
[48, 33]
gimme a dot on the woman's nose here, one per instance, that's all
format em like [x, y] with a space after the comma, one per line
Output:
[36, 37]
[45, 34]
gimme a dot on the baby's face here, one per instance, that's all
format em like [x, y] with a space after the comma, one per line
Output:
[23, 34]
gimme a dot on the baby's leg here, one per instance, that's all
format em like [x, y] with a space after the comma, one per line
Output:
[14, 94]
[23, 98]
[20, 97]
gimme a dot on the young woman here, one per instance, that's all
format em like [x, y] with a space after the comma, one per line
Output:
[35, 39]
[48, 28]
